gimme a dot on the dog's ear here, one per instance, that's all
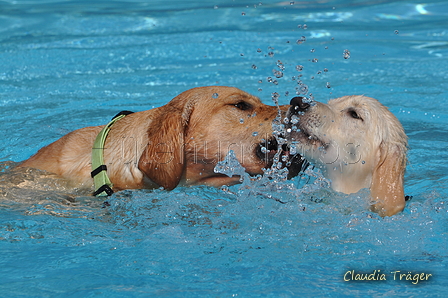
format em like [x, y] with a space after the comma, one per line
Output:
[163, 160]
[387, 181]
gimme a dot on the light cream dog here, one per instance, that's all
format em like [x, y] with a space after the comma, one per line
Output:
[176, 144]
[357, 142]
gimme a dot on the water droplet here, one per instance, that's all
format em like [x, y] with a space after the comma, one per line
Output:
[299, 67]
[305, 26]
[328, 85]
[243, 13]
[215, 95]
[254, 66]
[294, 119]
[271, 54]
[325, 69]
[280, 65]
[241, 120]
[264, 150]
[363, 162]
[291, 3]
[259, 89]
[346, 54]
[292, 150]
[301, 40]
[312, 50]
[215, 7]
[241, 54]
[260, 81]
[396, 32]
[278, 74]
[259, 50]
[269, 79]
[315, 60]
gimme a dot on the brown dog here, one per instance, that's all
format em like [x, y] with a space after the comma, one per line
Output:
[357, 142]
[179, 143]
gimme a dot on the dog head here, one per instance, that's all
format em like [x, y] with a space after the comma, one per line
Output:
[199, 127]
[357, 142]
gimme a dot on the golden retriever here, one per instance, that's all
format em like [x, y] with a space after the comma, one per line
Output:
[357, 142]
[176, 144]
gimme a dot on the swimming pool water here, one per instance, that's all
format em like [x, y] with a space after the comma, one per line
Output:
[69, 64]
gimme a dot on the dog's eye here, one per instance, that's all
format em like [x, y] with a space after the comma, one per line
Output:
[354, 115]
[242, 106]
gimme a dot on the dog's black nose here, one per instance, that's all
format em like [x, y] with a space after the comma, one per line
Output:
[298, 104]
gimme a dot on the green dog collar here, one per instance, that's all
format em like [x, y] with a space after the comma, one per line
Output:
[103, 185]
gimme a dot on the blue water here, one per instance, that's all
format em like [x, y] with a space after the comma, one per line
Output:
[69, 64]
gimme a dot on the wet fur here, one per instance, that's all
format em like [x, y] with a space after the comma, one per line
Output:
[358, 143]
[176, 144]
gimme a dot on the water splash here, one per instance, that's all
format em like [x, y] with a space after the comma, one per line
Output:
[230, 166]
